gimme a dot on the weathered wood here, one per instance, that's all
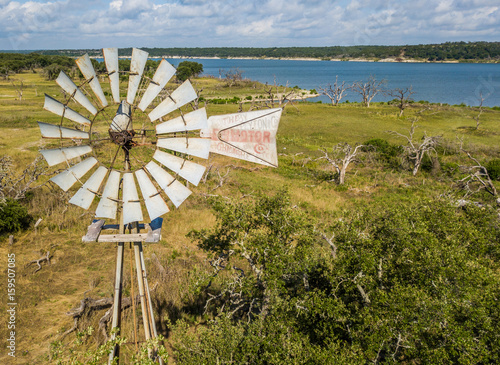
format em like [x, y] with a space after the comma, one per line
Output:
[87, 305]
[11, 240]
[93, 231]
[135, 237]
[39, 261]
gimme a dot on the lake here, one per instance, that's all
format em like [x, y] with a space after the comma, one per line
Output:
[451, 83]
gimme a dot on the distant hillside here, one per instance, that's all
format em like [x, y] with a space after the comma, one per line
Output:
[450, 51]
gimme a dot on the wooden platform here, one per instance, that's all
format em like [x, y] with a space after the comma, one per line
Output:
[152, 234]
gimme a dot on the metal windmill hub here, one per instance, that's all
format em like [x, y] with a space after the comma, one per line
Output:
[123, 138]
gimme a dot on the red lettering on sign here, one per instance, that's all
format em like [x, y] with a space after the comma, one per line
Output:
[235, 135]
[267, 137]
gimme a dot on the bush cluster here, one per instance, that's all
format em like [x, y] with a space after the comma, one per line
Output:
[13, 216]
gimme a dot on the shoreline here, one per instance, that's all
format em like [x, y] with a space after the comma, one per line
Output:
[383, 60]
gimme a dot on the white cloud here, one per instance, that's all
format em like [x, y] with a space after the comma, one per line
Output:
[191, 23]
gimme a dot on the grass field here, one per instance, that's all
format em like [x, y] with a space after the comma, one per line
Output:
[78, 270]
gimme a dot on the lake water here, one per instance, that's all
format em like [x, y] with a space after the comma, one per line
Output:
[451, 83]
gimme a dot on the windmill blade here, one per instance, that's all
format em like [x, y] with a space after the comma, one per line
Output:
[163, 73]
[108, 204]
[155, 204]
[175, 190]
[179, 97]
[85, 195]
[69, 177]
[139, 58]
[58, 155]
[249, 136]
[132, 211]
[190, 171]
[85, 65]
[69, 86]
[54, 106]
[111, 61]
[198, 147]
[56, 131]
[187, 122]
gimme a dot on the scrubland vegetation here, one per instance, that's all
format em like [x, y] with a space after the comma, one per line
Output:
[278, 266]
[449, 51]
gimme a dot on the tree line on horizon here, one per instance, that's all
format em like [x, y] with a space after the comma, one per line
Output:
[449, 51]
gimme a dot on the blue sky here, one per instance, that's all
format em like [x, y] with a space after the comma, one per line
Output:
[62, 24]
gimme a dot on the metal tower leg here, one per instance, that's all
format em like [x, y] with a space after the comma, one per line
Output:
[140, 277]
[154, 333]
[117, 303]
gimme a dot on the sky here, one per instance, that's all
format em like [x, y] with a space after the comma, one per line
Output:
[74, 24]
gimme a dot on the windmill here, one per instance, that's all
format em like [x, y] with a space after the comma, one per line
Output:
[146, 139]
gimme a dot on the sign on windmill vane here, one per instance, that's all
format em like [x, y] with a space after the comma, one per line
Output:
[249, 136]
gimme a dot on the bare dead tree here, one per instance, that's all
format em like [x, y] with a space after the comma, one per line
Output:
[480, 111]
[336, 92]
[403, 96]
[477, 178]
[232, 76]
[16, 187]
[196, 102]
[279, 95]
[368, 89]
[340, 158]
[416, 150]
[221, 178]
[19, 87]
[330, 242]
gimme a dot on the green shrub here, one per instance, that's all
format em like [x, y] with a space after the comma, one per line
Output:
[493, 168]
[13, 217]
[389, 154]
[416, 283]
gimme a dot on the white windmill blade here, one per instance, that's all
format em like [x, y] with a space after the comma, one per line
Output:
[85, 65]
[187, 122]
[249, 136]
[179, 97]
[85, 195]
[111, 61]
[155, 204]
[199, 147]
[58, 155]
[108, 205]
[188, 170]
[69, 177]
[69, 86]
[137, 63]
[56, 107]
[163, 73]
[175, 190]
[56, 131]
[132, 211]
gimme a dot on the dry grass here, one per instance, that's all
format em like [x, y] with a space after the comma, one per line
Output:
[76, 268]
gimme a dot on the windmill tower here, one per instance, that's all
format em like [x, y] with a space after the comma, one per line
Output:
[145, 140]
